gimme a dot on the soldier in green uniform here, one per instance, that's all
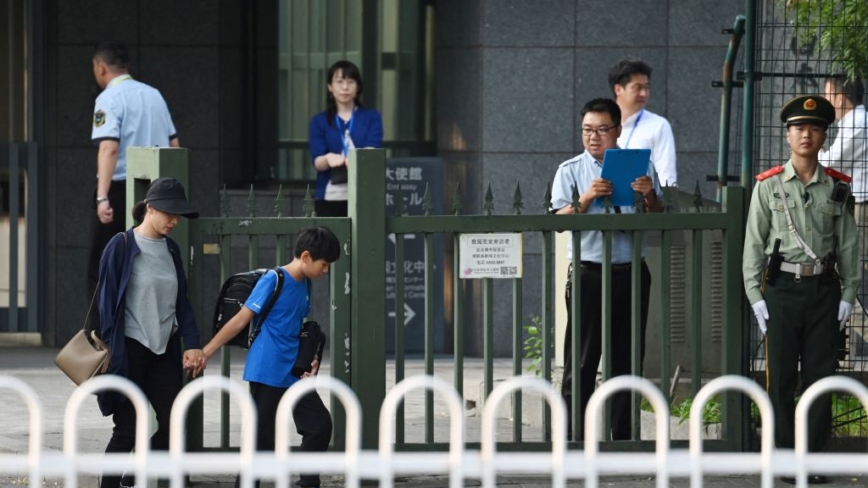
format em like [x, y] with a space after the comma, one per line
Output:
[801, 268]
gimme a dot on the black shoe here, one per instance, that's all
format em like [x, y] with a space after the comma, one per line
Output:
[814, 479]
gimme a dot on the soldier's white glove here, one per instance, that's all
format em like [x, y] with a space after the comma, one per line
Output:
[762, 314]
[844, 311]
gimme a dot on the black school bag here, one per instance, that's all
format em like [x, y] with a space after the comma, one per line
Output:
[233, 294]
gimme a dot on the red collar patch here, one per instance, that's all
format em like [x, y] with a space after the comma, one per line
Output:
[837, 175]
[771, 172]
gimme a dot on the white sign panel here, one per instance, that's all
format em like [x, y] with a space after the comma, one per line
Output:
[490, 256]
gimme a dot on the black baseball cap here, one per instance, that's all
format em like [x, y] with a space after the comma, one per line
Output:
[167, 195]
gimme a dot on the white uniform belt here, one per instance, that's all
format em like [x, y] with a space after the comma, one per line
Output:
[802, 269]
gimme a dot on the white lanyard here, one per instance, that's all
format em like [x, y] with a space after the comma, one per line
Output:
[638, 118]
[790, 225]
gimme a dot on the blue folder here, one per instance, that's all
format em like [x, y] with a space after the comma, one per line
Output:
[621, 167]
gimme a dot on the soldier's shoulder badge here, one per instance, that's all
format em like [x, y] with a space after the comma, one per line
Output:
[98, 118]
[837, 175]
[770, 172]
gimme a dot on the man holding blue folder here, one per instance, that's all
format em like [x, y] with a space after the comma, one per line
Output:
[601, 126]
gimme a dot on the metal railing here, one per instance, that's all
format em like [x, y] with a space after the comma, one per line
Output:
[459, 462]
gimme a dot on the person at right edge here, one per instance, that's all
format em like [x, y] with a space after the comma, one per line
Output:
[801, 270]
[345, 125]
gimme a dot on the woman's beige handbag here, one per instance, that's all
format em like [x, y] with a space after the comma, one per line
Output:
[82, 359]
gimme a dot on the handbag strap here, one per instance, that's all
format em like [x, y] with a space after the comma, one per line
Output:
[86, 327]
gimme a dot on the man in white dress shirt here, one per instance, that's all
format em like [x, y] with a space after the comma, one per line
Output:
[848, 153]
[630, 80]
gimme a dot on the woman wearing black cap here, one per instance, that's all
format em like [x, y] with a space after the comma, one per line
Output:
[145, 314]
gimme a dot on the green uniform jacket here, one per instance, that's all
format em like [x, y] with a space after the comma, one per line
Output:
[818, 221]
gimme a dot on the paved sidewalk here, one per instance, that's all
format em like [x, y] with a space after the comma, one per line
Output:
[36, 367]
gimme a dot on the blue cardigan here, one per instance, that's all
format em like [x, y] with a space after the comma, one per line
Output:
[324, 138]
[115, 268]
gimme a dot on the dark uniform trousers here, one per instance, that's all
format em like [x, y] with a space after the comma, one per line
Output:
[591, 340]
[101, 234]
[802, 325]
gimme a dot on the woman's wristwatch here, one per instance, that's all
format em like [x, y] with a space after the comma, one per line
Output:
[101, 199]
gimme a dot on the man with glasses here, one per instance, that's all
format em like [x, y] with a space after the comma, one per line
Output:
[601, 126]
[630, 81]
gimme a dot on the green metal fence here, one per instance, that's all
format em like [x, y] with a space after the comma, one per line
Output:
[685, 232]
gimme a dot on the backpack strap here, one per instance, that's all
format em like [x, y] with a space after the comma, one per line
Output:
[87, 323]
[271, 301]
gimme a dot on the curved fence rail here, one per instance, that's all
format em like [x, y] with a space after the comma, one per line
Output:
[458, 462]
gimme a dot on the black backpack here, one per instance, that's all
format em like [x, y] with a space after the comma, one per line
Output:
[233, 294]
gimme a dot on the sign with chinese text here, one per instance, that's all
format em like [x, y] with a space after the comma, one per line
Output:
[491, 256]
[407, 177]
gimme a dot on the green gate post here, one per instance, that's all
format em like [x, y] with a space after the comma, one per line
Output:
[144, 165]
[367, 212]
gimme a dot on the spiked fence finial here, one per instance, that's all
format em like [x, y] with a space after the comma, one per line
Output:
[278, 202]
[517, 204]
[251, 203]
[488, 206]
[307, 205]
[225, 203]
[456, 200]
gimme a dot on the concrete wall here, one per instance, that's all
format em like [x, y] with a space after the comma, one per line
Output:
[513, 75]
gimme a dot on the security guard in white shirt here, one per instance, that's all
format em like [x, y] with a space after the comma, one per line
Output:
[128, 113]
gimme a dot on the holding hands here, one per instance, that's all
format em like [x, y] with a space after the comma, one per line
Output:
[194, 361]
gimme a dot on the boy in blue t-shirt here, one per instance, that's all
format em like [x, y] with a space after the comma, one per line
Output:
[272, 355]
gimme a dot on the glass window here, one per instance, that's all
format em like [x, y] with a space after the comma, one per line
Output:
[394, 50]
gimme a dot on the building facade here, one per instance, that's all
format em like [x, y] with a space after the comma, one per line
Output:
[492, 87]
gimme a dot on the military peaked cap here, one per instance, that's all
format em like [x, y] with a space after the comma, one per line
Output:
[808, 109]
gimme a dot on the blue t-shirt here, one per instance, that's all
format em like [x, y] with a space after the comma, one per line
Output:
[273, 353]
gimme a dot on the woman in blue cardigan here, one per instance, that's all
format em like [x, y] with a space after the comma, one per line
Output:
[345, 125]
[145, 314]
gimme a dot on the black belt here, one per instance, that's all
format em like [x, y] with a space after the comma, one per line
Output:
[599, 266]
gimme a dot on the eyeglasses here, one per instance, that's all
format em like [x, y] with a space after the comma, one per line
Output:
[600, 131]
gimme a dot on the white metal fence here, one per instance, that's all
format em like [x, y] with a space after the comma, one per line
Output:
[459, 463]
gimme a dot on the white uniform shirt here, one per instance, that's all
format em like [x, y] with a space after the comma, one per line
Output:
[579, 172]
[135, 115]
[647, 130]
[849, 151]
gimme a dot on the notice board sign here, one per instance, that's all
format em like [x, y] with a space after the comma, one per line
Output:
[408, 178]
[491, 255]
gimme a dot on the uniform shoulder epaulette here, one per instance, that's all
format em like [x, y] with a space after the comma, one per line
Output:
[837, 175]
[771, 172]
